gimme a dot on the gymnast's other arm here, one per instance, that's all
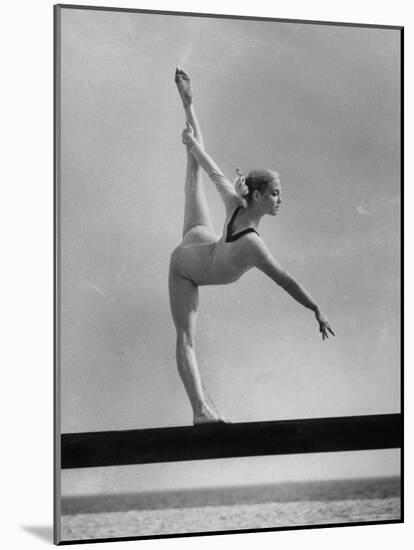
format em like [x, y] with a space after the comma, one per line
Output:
[263, 260]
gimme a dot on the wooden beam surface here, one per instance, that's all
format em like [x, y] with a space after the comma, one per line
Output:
[116, 448]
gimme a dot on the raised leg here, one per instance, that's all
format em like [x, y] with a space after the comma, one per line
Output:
[196, 211]
[184, 86]
[184, 309]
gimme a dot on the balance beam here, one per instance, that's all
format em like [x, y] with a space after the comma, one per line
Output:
[316, 435]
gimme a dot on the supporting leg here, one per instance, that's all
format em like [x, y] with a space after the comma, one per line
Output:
[184, 308]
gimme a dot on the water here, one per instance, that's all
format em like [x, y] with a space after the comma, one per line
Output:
[253, 507]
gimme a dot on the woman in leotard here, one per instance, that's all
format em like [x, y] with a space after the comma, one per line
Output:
[203, 258]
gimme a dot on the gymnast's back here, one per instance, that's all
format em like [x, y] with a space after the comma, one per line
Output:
[206, 259]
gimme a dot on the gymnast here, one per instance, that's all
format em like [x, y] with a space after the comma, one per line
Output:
[203, 258]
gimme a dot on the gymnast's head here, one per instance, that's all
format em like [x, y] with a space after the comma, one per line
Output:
[260, 190]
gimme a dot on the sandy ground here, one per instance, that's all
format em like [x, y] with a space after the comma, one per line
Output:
[220, 518]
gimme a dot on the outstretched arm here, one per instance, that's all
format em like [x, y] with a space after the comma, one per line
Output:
[264, 261]
[203, 158]
[224, 187]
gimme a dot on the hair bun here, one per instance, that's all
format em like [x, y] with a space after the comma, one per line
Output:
[240, 184]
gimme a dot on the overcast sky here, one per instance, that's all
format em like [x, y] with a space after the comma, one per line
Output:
[320, 104]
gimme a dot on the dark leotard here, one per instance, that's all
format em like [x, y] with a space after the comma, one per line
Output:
[229, 237]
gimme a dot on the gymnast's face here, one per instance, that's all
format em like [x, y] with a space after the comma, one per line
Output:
[272, 197]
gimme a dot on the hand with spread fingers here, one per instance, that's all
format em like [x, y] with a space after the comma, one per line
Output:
[324, 326]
